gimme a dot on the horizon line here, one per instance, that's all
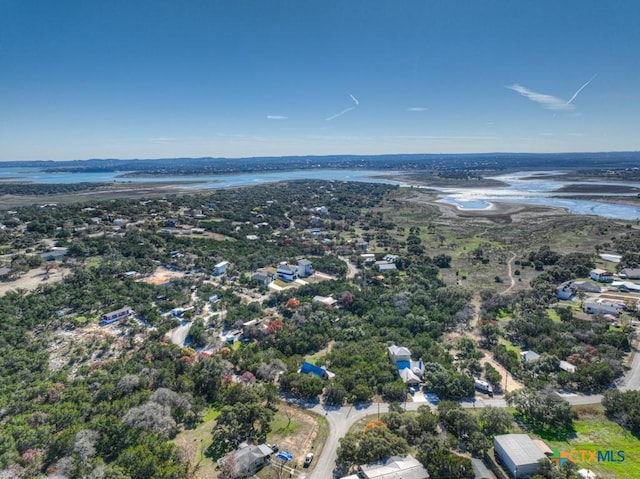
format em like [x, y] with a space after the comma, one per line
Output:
[350, 155]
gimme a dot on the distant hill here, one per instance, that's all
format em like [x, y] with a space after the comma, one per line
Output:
[477, 162]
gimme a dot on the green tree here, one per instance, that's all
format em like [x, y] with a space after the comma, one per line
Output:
[542, 408]
[371, 445]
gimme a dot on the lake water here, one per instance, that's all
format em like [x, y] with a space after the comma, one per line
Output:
[534, 188]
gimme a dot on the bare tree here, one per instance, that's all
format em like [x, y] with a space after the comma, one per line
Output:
[152, 417]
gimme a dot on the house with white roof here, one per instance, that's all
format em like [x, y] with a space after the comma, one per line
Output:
[394, 467]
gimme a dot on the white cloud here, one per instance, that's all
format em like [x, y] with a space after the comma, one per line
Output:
[276, 117]
[417, 108]
[355, 100]
[549, 102]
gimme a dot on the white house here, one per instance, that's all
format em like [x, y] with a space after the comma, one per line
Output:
[220, 268]
[113, 316]
[601, 275]
[399, 353]
[567, 366]
[305, 268]
[394, 468]
[603, 307]
[287, 272]
[326, 301]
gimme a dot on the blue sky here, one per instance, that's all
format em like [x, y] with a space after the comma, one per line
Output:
[148, 79]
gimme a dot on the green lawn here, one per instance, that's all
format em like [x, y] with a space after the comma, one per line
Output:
[595, 432]
[211, 414]
[510, 346]
[553, 315]
[281, 426]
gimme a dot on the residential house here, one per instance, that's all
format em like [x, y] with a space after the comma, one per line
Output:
[326, 301]
[568, 367]
[305, 268]
[603, 306]
[385, 266]
[399, 354]
[409, 377]
[565, 290]
[395, 467]
[528, 356]
[410, 371]
[362, 245]
[320, 371]
[630, 273]
[287, 272]
[626, 286]
[262, 278]
[220, 268]
[114, 316]
[247, 460]
[601, 275]
[56, 254]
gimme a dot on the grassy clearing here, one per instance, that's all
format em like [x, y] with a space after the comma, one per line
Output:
[194, 443]
[553, 315]
[510, 346]
[211, 414]
[282, 426]
[93, 262]
[593, 432]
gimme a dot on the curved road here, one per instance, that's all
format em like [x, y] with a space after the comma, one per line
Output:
[353, 270]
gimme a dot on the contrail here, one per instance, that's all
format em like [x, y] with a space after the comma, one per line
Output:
[355, 100]
[346, 110]
[580, 89]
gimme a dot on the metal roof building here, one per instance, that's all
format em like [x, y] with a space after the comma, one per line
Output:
[518, 453]
[395, 468]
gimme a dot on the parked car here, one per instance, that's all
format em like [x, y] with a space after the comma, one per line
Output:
[308, 459]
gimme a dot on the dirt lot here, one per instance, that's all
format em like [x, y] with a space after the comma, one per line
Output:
[162, 276]
[33, 279]
[511, 383]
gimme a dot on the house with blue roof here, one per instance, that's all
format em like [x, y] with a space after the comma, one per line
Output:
[409, 370]
[320, 371]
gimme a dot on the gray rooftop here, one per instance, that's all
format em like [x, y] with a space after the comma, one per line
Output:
[520, 448]
[396, 468]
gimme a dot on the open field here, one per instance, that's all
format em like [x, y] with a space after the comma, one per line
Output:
[32, 279]
[594, 432]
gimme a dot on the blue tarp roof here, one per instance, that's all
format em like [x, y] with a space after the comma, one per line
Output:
[308, 368]
[403, 364]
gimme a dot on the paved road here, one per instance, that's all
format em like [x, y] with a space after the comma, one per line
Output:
[353, 270]
[341, 419]
[179, 334]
